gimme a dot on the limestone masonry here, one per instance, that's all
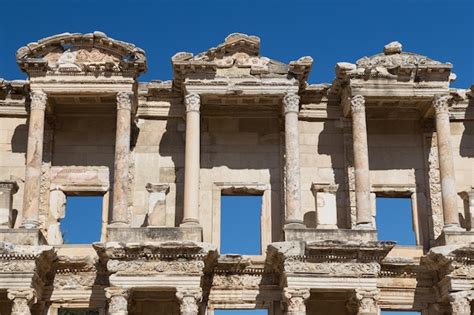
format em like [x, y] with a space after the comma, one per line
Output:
[232, 122]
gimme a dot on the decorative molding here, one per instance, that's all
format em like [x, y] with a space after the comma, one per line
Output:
[118, 300]
[295, 299]
[38, 100]
[189, 299]
[358, 104]
[441, 103]
[22, 300]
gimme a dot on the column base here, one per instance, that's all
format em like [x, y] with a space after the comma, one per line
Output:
[364, 226]
[190, 223]
[453, 228]
[455, 237]
[30, 224]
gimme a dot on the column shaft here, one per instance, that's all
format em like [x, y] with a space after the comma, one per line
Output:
[34, 158]
[446, 163]
[361, 162]
[192, 161]
[121, 165]
[294, 217]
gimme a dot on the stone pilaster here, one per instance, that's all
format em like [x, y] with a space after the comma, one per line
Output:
[22, 300]
[189, 299]
[7, 190]
[446, 163]
[117, 300]
[365, 302]
[294, 216]
[192, 160]
[34, 158]
[121, 165]
[295, 299]
[361, 163]
[460, 302]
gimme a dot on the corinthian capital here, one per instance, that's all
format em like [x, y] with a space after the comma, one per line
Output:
[38, 99]
[118, 300]
[291, 103]
[22, 299]
[124, 100]
[441, 103]
[189, 299]
[192, 101]
[358, 103]
[295, 299]
[460, 302]
[366, 301]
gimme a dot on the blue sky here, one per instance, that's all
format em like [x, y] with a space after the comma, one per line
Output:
[329, 30]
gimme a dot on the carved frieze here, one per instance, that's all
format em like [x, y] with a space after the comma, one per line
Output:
[333, 268]
[147, 267]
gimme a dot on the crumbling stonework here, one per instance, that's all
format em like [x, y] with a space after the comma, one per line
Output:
[162, 154]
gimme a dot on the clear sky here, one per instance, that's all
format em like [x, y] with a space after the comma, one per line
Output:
[328, 30]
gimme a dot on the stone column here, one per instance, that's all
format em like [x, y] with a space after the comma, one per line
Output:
[34, 158]
[189, 299]
[157, 204]
[118, 300]
[122, 152]
[446, 163]
[192, 164]
[460, 303]
[295, 300]
[7, 190]
[294, 217]
[361, 163]
[22, 300]
[365, 302]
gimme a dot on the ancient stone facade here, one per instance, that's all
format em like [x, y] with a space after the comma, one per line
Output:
[233, 122]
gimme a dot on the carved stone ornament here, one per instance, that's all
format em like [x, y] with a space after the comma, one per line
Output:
[460, 303]
[333, 268]
[192, 102]
[22, 300]
[38, 99]
[291, 103]
[295, 299]
[147, 267]
[124, 100]
[118, 300]
[189, 299]
[367, 301]
[441, 103]
[358, 103]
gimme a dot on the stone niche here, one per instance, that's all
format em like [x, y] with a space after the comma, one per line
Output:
[326, 207]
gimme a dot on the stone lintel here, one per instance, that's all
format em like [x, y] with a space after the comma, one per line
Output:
[308, 234]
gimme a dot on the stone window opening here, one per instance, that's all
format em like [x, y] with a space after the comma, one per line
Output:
[227, 199]
[77, 217]
[395, 217]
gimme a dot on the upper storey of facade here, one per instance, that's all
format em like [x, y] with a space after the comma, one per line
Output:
[232, 122]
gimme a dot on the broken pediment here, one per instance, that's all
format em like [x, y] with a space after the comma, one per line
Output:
[81, 53]
[238, 57]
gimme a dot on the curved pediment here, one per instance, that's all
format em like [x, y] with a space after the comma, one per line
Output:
[81, 53]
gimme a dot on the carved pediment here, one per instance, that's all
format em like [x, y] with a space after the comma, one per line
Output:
[81, 53]
[238, 57]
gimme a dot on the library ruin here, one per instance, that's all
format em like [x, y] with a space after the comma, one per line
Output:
[163, 154]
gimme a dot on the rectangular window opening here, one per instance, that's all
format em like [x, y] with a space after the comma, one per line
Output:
[241, 225]
[394, 220]
[82, 223]
[241, 312]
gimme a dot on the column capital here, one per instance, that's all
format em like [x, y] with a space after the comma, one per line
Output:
[192, 102]
[461, 302]
[124, 100]
[22, 299]
[366, 300]
[189, 299]
[441, 103]
[358, 103]
[38, 99]
[291, 103]
[118, 300]
[295, 299]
